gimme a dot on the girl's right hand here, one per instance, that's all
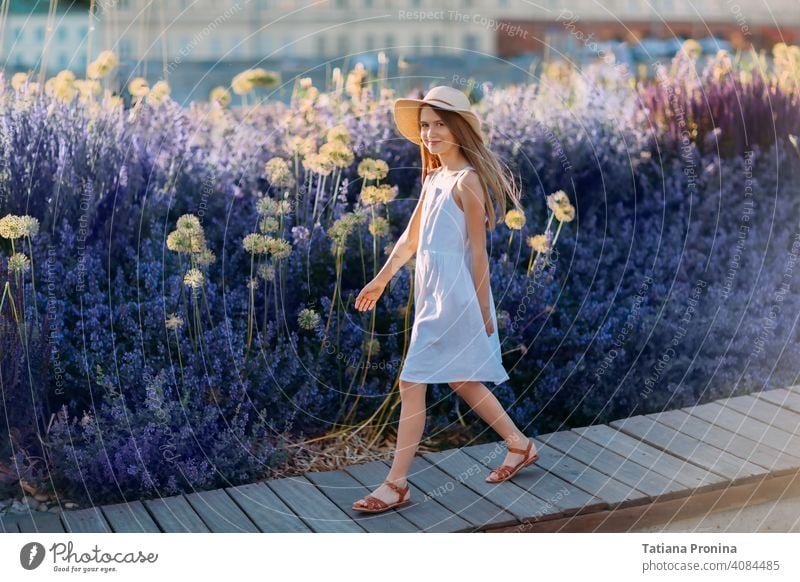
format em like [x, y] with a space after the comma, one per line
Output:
[369, 295]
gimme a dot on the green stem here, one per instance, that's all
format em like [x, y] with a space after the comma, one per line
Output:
[33, 282]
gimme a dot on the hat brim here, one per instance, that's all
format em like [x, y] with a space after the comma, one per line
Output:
[406, 118]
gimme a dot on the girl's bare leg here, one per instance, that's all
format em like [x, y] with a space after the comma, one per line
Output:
[409, 433]
[486, 405]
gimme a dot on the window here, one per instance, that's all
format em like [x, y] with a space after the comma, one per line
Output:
[417, 48]
[40, 33]
[471, 42]
[320, 45]
[390, 42]
[61, 33]
[369, 42]
[63, 60]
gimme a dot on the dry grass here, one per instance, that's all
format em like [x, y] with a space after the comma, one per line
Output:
[340, 451]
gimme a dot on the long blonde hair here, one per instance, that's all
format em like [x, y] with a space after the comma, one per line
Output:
[498, 185]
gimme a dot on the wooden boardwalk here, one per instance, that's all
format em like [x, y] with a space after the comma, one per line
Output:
[638, 471]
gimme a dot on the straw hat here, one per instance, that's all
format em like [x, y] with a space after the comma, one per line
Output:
[406, 111]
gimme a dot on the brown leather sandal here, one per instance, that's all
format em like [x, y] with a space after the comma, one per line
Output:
[505, 472]
[370, 504]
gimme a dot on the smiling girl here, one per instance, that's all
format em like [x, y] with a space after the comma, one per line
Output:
[454, 338]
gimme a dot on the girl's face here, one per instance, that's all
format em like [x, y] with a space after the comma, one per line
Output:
[434, 132]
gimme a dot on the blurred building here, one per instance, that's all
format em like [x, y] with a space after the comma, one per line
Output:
[198, 44]
[31, 38]
[181, 31]
[563, 26]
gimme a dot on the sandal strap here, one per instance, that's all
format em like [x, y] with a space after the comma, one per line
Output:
[401, 491]
[503, 472]
[522, 451]
[371, 502]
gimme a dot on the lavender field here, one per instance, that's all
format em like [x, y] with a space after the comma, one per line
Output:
[177, 282]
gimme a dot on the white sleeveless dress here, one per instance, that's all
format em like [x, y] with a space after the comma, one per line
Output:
[448, 339]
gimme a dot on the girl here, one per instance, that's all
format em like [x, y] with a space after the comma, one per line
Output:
[454, 338]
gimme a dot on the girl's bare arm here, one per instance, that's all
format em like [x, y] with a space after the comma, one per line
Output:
[470, 192]
[406, 245]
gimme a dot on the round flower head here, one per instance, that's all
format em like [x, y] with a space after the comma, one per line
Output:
[371, 169]
[540, 243]
[379, 226]
[11, 227]
[557, 199]
[256, 244]
[280, 249]
[308, 319]
[18, 263]
[221, 95]
[339, 154]
[515, 219]
[30, 225]
[268, 224]
[266, 206]
[189, 221]
[193, 278]
[564, 213]
[338, 133]
[278, 173]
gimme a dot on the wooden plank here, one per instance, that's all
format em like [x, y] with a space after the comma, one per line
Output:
[689, 449]
[219, 512]
[766, 412]
[456, 497]
[89, 520]
[427, 514]
[657, 460]
[564, 495]
[737, 445]
[606, 461]
[130, 518]
[614, 493]
[343, 490]
[713, 501]
[308, 503]
[522, 504]
[266, 510]
[41, 522]
[782, 397]
[8, 524]
[175, 515]
[746, 426]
